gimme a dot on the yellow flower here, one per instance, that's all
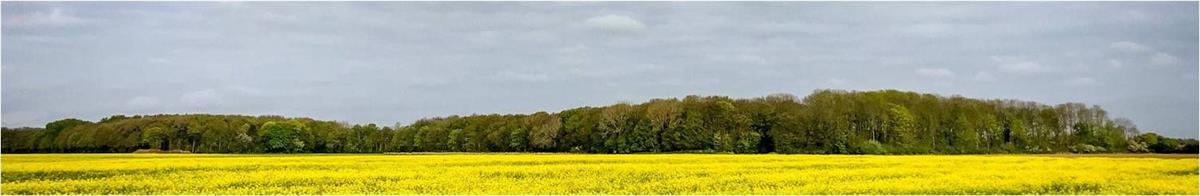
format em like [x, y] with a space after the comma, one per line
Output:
[594, 174]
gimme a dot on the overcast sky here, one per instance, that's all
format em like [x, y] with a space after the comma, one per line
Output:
[388, 62]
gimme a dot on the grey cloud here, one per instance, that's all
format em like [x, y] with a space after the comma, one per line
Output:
[52, 17]
[1115, 63]
[521, 76]
[984, 76]
[837, 82]
[935, 72]
[1128, 46]
[1019, 65]
[1163, 59]
[1025, 67]
[201, 98]
[616, 23]
[143, 102]
[387, 62]
[1080, 81]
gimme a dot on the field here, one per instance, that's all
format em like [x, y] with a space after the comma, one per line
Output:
[595, 174]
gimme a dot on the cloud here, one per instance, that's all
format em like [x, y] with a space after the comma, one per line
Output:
[524, 77]
[984, 76]
[1080, 81]
[201, 97]
[1115, 63]
[158, 61]
[55, 17]
[246, 90]
[836, 82]
[1019, 65]
[1127, 46]
[334, 63]
[616, 24]
[739, 59]
[937, 73]
[1028, 67]
[1164, 59]
[142, 101]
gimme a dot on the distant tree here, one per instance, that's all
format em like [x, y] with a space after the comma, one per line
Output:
[282, 136]
[615, 126]
[113, 118]
[157, 138]
[64, 124]
[826, 121]
[901, 125]
[1129, 129]
[518, 140]
[456, 140]
[545, 130]
[1148, 138]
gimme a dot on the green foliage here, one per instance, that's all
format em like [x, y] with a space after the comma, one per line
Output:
[826, 121]
[157, 137]
[283, 136]
[113, 118]
[545, 130]
[747, 142]
[871, 147]
[64, 124]
[517, 140]
[454, 143]
[1159, 144]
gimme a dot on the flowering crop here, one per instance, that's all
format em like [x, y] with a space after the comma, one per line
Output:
[594, 174]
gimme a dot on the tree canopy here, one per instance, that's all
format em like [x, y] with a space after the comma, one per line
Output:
[824, 122]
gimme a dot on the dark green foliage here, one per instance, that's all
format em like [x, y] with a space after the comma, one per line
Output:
[282, 136]
[825, 122]
[64, 124]
[1159, 144]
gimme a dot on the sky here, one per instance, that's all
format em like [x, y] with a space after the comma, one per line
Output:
[395, 62]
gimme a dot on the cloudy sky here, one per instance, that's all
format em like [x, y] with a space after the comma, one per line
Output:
[396, 62]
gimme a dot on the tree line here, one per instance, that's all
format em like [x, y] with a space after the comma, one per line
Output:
[825, 122]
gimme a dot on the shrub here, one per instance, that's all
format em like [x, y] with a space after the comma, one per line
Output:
[871, 147]
[1138, 147]
[1087, 148]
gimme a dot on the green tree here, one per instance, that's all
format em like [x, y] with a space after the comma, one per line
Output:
[826, 121]
[901, 125]
[545, 130]
[518, 140]
[455, 142]
[282, 136]
[156, 137]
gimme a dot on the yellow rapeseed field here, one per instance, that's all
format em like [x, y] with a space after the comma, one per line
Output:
[595, 174]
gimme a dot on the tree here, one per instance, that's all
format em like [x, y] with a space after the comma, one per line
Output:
[747, 142]
[156, 137]
[454, 143]
[1127, 127]
[244, 140]
[1017, 132]
[544, 130]
[517, 140]
[64, 124]
[660, 118]
[826, 121]
[1148, 138]
[614, 125]
[901, 125]
[113, 118]
[283, 136]
[689, 133]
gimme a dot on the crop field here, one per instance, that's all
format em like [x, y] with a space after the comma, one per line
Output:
[595, 174]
